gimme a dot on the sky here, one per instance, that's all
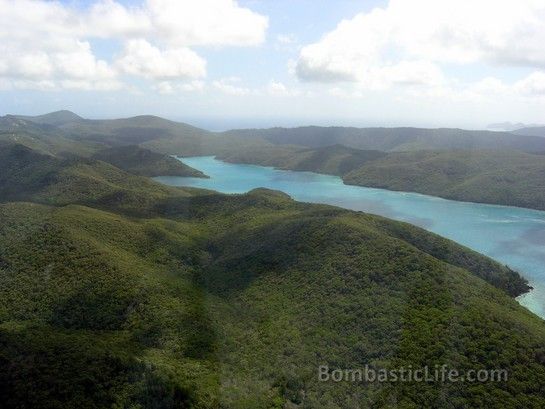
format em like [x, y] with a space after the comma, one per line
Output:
[225, 64]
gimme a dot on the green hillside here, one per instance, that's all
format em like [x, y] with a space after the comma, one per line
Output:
[504, 177]
[477, 166]
[333, 160]
[507, 177]
[176, 138]
[50, 143]
[61, 117]
[532, 131]
[15, 123]
[395, 139]
[144, 162]
[27, 175]
[154, 133]
[151, 132]
[116, 291]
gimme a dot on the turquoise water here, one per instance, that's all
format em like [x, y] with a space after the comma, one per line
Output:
[511, 235]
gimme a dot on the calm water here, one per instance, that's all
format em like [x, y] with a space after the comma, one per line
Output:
[511, 235]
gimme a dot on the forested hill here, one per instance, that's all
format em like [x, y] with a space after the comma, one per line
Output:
[532, 131]
[63, 132]
[176, 138]
[508, 177]
[396, 139]
[60, 118]
[333, 160]
[143, 162]
[504, 177]
[28, 175]
[480, 166]
[116, 291]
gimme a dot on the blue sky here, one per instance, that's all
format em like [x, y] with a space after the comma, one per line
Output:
[222, 64]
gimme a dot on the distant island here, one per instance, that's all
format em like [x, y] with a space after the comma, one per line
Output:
[510, 126]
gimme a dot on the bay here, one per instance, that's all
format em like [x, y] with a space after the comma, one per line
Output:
[513, 236]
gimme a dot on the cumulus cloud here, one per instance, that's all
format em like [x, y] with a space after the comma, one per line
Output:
[49, 41]
[168, 87]
[285, 39]
[488, 90]
[278, 89]
[39, 45]
[408, 42]
[181, 23]
[230, 86]
[233, 86]
[532, 85]
[40, 49]
[107, 18]
[143, 59]
[206, 22]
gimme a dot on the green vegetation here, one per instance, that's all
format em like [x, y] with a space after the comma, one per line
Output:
[54, 118]
[150, 132]
[116, 291]
[507, 177]
[478, 166]
[154, 133]
[49, 143]
[171, 137]
[26, 175]
[532, 131]
[333, 160]
[143, 162]
[503, 177]
[395, 139]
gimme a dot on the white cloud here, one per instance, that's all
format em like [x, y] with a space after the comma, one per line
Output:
[107, 18]
[39, 46]
[230, 86]
[86, 85]
[278, 89]
[285, 39]
[488, 90]
[192, 86]
[532, 85]
[179, 23]
[168, 87]
[49, 41]
[142, 59]
[7, 84]
[206, 22]
[164, 87]
[407, 42]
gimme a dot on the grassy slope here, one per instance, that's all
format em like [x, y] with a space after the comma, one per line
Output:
[194, 299]
[143, 162]
[508, 178]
